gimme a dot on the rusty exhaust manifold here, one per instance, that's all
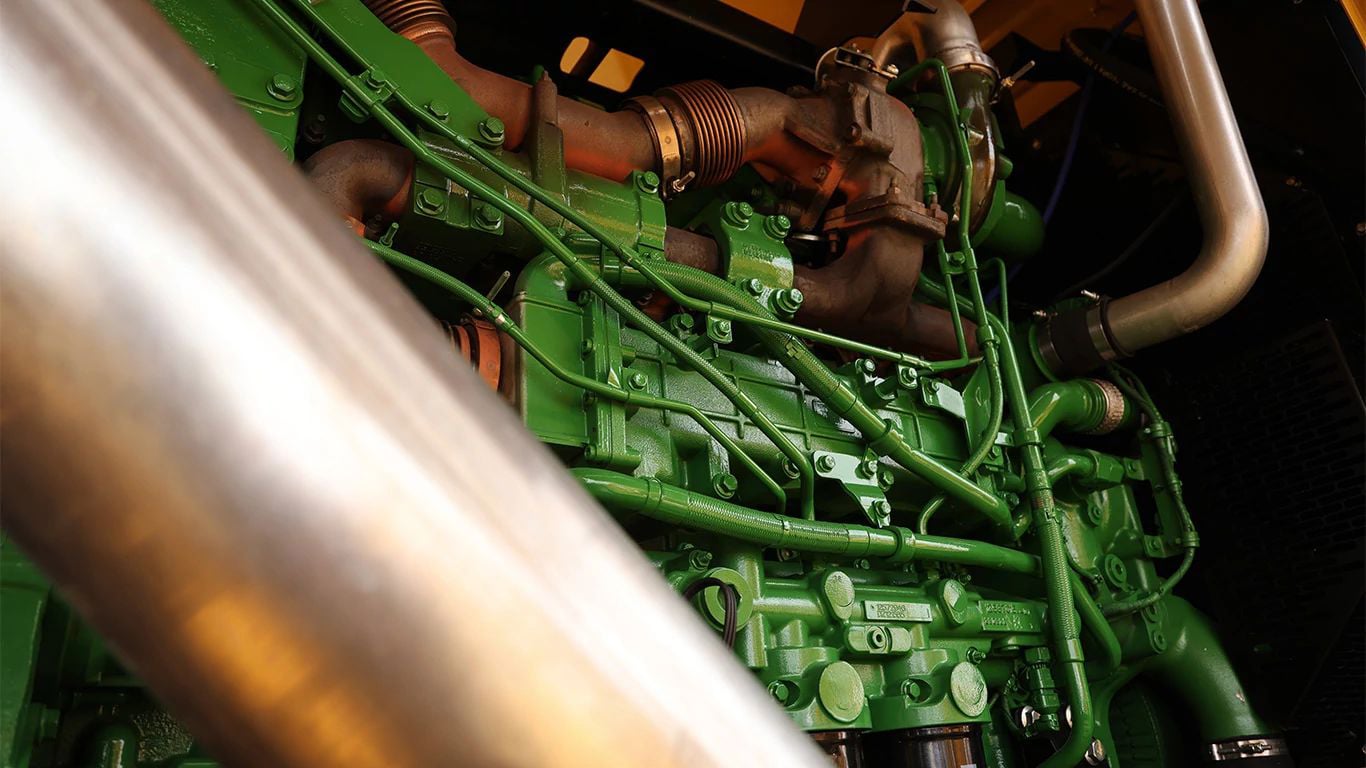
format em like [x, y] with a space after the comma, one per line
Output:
[846, 159]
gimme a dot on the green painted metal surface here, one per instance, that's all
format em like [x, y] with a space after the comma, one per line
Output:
[789, 465]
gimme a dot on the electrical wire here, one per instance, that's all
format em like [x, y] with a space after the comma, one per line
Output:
[731, 603]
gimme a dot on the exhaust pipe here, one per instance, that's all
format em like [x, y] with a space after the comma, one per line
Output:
[246, 456]
[1226, 194]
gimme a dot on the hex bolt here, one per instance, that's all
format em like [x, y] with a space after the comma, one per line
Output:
[788, 300]
[867, 468]
[491, 130]
[725, 484]
[884, 478]
[737, 214]
[699, 559]
[777, 226]
[908, 377]
[910, 688]
[375, 80]
[722, 327]
[790, 468]
[877, 638]
[648, 183]
[825, 463]
[882, 509]
[488, 217]
[282, 87]
[754, 286]
[636, 380]
[431, 201]
[438, 109]
[956, 259]
[1095, 755]
[867, 365]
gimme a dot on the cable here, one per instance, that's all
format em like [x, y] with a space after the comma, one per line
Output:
[731, 597]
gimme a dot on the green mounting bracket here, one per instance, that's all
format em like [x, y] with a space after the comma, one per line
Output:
[860, 480]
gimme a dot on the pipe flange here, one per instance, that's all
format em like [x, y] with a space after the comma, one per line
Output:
[664, 135]
[1115, 408]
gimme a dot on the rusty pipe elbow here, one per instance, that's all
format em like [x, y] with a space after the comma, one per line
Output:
[362, 179]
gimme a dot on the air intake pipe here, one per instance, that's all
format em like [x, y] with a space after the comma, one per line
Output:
[1225, 193]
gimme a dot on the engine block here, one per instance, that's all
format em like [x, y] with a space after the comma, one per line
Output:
[792, 375]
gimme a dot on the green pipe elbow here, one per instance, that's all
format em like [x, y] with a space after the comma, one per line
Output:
[1081, 406]
[1196, 668]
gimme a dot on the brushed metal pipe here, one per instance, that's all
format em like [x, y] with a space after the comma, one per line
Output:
[947, 34]
[249, 460]
[1226, 195]
[1221, 179]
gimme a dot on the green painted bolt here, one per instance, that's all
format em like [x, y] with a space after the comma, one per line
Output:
[375, 80]
[825, 463]
[783, 691]
[777, 227]
[753, 286]
[908, 377]
[699, 559]
[956, 259]
[738, 214]
[868, 468]
[725, 484]
[790, 468]
[648, 182]
[438, 109]
[910, 688]
[491, 130]
[636, 380]
[488, 216]
[1115, 571]
[868, 365]
[431, 201]
[882, 509]
[722, 327]
[788, 300]
[282, 87]
[884, 478]
[587, 346]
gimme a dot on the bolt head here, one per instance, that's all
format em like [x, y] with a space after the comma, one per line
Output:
[777, 226]
[825, 463]
[491, 130]
[725, 485]
[648, 183]
[753, 286]
[431, 201]
[737, 214]
[488, 216]
[438, 109]
[723, 327]
[282, 87]
[636, 380]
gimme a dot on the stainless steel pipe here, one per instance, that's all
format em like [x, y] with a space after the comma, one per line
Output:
[246, 456]
[1226, 195]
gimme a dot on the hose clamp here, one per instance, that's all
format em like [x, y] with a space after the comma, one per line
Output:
[665, 137]
[1246, 749]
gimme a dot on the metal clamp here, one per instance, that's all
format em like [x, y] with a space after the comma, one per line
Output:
[664, 134]
[1243, 749]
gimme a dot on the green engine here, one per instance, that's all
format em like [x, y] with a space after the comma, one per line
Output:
[770, 333]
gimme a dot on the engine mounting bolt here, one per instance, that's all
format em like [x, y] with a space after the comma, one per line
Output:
[790, 468]
[636, 380]
[884, 478]
[738, 214]
[648, 182]
[438, 109]
[754, 286]
[777, 226]
[910, 688]
[699, 559]
[881, 508]
[868, 468]
[956, 259]
[825, 463]
[491, 131]
[723, 327]
[587, 346]
[867, 365]
[725, 484]
[788, 300]
[431, 201]
[282, 87]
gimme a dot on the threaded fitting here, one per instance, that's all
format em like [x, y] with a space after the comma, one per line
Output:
[711, 129]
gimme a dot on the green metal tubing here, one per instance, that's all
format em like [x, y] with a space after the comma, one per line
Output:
[984, 446]
[1077, 405]
[500, 318]
[808, 369]
[586, 275]
[676, 506]
[1058, 576]
[1195, 667]
[1100, 630]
